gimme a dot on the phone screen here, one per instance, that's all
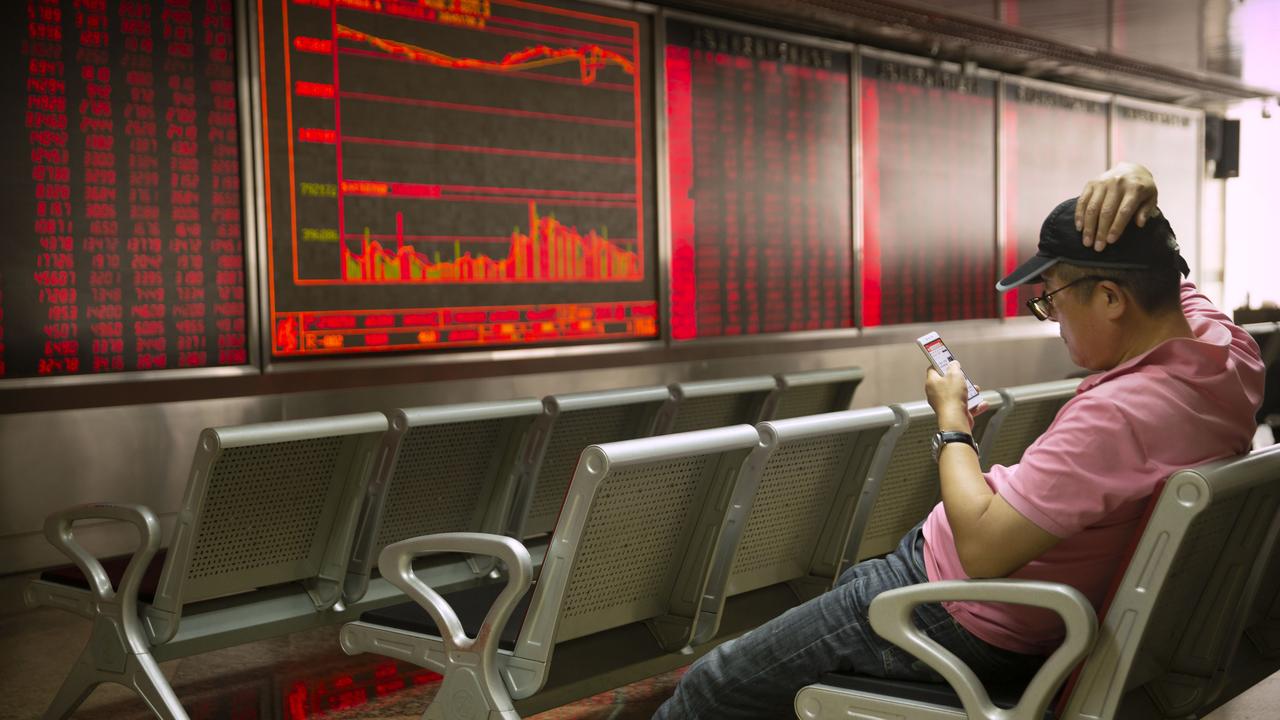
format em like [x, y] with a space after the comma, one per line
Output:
[942, 357]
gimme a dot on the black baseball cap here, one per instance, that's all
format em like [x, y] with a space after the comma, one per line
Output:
[1139, 248]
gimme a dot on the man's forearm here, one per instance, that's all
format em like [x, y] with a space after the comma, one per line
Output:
[965, 494]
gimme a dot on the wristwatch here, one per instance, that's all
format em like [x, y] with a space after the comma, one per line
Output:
[945, 436]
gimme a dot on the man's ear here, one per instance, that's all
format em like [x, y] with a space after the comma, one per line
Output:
[1113, 299]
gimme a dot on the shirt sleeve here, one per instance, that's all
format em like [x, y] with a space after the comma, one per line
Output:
[1066, 480]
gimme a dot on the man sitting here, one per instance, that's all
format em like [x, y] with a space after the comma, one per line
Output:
[1176, 385]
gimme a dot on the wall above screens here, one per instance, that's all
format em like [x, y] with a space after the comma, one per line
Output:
[497, 185]
[759, 151]
[1053, 139]
[121, 197]
[928, 144]
[454, 179]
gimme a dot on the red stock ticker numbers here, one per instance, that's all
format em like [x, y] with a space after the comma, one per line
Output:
[759, 139]
[455, 174]
[123, 196]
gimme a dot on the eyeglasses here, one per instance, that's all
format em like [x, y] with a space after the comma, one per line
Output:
[1042, 306]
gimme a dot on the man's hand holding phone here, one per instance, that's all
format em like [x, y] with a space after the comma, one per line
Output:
[947, 394]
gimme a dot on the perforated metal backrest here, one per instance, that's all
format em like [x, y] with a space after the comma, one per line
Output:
[815, 392]
[1178, 613]
[442, 469]
[268, 504]
[569, 424]
[718, 403]
[806, 482]
[636, 536]
[910, 487]
[1027, 412]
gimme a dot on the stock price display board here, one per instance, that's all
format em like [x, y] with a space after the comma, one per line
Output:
[455, 173]
[121, 195]
[1053, 142]
[928, 193]
[1167, 141]
[759, 140]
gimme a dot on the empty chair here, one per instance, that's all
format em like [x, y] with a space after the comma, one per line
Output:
[910, 486]
[568, 424]
[814, 392]
[622, 584]
[260, 548]
[716, 403]
[449, 468]
[1027, 412]
[791, 514]
[1164, 643]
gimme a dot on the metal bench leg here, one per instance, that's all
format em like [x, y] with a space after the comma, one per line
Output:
[81, 680]
[152, 686]
[463, 694]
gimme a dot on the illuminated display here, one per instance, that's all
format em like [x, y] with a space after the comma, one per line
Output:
[455, 174]
[759, 149]
[928, 194]
[1167, 142]
[1052, 141]
[122, 196]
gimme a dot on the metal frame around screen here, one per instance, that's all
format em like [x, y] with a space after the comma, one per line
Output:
[248, 217]
[450, 356]
[664, 170]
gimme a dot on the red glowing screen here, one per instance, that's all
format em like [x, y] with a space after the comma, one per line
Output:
[122, 189]
[447, 178]
[759, 135]
[928, 194]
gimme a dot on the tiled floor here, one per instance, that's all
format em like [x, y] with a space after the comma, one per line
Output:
[298, 676]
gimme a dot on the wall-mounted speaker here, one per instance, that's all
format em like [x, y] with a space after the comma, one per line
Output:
[1222, 145]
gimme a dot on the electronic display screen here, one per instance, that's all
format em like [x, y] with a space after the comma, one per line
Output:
[928, 193]
[758, 136]
[121, 191]
[454, 174]
[1053, 143]
[1167, 142]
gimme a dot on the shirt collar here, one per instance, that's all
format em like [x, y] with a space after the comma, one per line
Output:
[1202, 355]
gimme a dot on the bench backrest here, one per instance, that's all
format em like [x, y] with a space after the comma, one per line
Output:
[267, 504]
[636, 537]
[910, 486]
[568, 424]
[814, 392]
[1027, 412]
[716, 403]
[1179, 611]
[451, 468]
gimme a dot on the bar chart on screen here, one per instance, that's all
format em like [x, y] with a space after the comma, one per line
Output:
[431, 159]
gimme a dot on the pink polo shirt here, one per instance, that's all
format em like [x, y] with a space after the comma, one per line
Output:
[1088, 478]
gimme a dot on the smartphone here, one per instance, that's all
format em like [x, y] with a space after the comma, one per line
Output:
[940, 355]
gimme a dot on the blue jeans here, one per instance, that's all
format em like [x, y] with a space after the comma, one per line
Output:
[758, 674]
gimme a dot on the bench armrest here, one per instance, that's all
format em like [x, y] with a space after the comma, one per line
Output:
[58, 531]
[890, 616]
[396, 565]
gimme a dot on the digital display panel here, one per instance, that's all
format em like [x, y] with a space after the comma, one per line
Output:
[121, 191]
[928, 193]
[452, 174]
[1167, 142]
[759, 134]
[1053, 143]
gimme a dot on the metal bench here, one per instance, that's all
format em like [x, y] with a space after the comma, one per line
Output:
[716, 403]
[1166, 638]
[910, 488]
[622, 584]
[260, 549]
[791, 515]
[814, 392]
[449, 468]
[568, 424]
[1027, 412]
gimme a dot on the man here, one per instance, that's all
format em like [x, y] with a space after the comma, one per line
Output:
[1176, 385]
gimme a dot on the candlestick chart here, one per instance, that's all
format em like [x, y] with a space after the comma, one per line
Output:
[430, 157]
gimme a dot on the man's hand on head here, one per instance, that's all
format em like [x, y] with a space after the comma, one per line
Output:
[948, 397]
[1107, 203]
